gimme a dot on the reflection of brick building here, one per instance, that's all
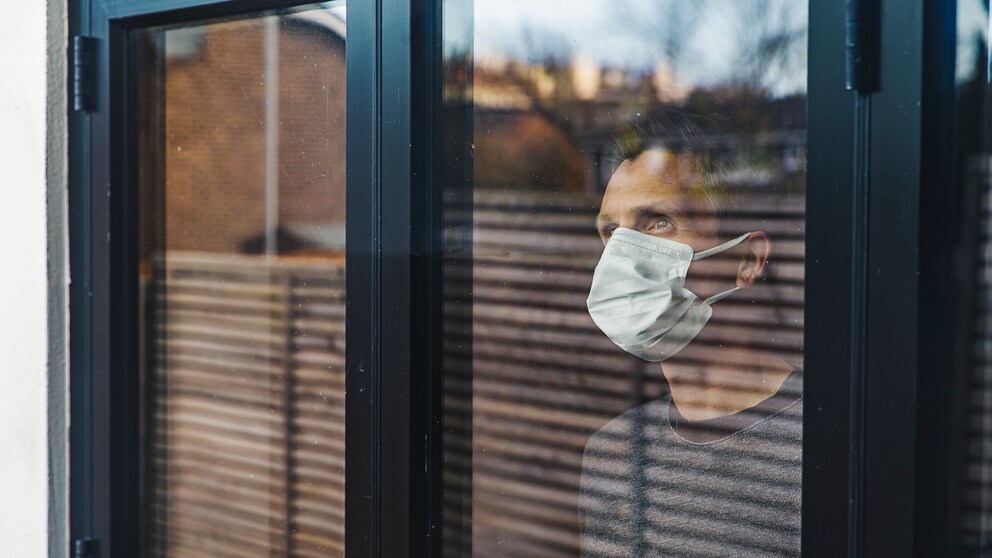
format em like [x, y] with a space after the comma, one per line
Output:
[214, 136]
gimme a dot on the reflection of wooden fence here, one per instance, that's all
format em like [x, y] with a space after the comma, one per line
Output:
[545, 378]
[972, 462]
[245, 436]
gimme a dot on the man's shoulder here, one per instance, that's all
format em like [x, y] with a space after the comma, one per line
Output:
[619, 432]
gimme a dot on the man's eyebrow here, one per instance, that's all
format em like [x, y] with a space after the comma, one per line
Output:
[603, 220]
[657, 210]
[650, 212]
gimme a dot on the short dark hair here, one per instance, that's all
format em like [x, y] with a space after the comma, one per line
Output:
[671, 129]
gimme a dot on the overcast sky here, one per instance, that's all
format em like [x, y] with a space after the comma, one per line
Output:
[633, 34]
[630, 33]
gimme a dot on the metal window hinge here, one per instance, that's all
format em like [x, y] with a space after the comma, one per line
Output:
[861, 42]
[84, 548]
[84, 73]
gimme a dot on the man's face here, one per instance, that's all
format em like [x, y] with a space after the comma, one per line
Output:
[654, 194]
[658, 194]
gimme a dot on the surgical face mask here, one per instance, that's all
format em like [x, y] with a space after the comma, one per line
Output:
[638, 296]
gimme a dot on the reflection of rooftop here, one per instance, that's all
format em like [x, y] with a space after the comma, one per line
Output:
[301, 237]
[493, 96]
[319, 235]
[331, 19]
[506, 83]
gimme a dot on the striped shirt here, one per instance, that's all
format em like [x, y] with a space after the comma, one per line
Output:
[655, 485]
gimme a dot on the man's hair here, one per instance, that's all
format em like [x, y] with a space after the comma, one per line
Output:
[683, 134]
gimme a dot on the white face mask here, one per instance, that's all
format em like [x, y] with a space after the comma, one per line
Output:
[638, 296]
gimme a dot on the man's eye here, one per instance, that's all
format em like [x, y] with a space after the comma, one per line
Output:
[660, 223]
[608, 231]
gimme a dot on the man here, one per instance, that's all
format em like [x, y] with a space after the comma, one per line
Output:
[713, 468]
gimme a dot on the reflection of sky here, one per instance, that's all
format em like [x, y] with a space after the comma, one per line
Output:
[633, 34]
[337, 7]
[973, 32]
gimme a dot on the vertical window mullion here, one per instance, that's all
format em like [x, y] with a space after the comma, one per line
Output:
[829, 340]
[362, 363]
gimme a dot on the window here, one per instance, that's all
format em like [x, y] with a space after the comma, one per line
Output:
[620, 277]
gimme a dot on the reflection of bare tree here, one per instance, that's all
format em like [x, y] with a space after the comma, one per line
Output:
[546, 46]
[768, 36]
[771, 35]
[665, 24]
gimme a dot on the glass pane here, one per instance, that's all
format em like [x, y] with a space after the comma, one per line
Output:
[625, 238]
[969, 184]
[241, 183]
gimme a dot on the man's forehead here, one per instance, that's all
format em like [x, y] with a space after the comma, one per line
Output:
[662, 163]
[634, 189]
[628, 201]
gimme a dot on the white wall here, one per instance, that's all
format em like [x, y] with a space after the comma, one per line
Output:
[32, 188]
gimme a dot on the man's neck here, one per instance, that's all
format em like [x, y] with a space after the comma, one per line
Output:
[711, 390]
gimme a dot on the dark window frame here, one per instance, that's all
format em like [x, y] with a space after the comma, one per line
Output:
[832, 277]
[104, 488]
[864, 307]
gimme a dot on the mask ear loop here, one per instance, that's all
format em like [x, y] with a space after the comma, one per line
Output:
[721, 248]
[720, 296]
[712, 252]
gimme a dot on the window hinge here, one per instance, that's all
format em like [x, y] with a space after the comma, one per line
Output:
[84, 548]
[861, 43]
[84, 73]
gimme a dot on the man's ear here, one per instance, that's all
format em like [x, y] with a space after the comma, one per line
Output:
[753, 263]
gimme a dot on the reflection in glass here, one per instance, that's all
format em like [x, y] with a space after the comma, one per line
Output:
[241, 185]
[969, 183]
[658, 131]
